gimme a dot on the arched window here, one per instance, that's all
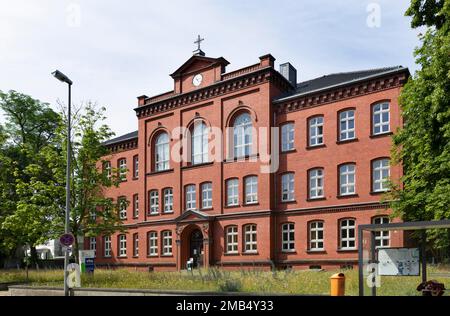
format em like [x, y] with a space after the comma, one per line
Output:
[242, 135]
[162, 152]
[199, 143]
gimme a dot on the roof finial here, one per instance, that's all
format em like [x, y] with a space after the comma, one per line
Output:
[199, 51]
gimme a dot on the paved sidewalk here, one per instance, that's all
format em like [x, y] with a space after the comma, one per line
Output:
[4, 293]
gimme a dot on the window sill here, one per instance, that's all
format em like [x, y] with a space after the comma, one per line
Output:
[135, 178]
[381, 135]
[230, 254]
[316, 199]
[125, 180]
[199, 165]
[347, 250]
[288, 202]
[315, 146]
[166, 213]
[345, 141]
[379, 192]
[207, 209]
[122, 257]
[251, 204]
[288, 151]
[322, 251]
[167, 256]
[289, 252]
[107, 257]
[240, 159]
[347, 196]
[152, 256]
[232, 206]
[152, 214]
[250, 253]
[154, 173]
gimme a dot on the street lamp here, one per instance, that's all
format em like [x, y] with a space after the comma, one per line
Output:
[62, 77]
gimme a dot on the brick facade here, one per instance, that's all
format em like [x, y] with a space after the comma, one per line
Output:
[270, 100]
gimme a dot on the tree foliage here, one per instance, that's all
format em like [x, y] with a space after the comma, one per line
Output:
[423, 144]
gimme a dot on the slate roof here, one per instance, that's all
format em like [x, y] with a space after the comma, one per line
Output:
[122, 138]
[337, 79]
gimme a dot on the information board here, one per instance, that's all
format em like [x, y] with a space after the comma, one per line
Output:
[398, 261]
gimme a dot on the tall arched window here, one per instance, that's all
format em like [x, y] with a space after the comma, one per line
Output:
[199, 143]
[242, 135]
[162, 152]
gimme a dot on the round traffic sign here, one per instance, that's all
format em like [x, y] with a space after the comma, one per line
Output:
[66, 239]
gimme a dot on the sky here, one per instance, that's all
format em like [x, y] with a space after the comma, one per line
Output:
[115, 50]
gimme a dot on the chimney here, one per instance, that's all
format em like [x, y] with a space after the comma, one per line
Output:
[289, 72]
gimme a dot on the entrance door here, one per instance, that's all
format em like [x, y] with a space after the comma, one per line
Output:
[196, 248]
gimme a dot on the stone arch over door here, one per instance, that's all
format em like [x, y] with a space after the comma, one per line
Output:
[193, 238]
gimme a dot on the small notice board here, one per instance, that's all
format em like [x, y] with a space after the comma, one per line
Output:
[399, 261]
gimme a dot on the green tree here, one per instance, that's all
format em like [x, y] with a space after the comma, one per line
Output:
[422, 146]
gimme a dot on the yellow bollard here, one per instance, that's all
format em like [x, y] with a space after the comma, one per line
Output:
[337, 284]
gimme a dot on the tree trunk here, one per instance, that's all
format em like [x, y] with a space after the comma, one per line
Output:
[76, 248]
[33, 256]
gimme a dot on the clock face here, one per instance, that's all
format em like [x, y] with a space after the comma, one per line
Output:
[197, 80]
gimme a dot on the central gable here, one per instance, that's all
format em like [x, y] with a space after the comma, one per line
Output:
[193, 215]
[210, 70]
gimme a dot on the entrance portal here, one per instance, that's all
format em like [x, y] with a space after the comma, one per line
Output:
[196, 248]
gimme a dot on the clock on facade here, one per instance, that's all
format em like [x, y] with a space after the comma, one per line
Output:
[197, 80]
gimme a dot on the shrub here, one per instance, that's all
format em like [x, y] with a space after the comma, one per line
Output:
[230, 285]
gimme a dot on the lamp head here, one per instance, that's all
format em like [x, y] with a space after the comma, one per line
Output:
[61, 77]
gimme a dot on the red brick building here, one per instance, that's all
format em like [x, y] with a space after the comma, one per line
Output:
[333, 148]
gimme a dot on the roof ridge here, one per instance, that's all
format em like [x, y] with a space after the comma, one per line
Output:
[364, 70]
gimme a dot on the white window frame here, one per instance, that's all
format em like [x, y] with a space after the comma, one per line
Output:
[347, 179]
[380, 166]
[382, 238]
[316, 243]
[190, 197]
[231, 239]
[107, 168]
[347, 227]
[316, 183]
[122, 168]
[168, 200]
[162, 153]
[288, 237]
[107, 246]
[122, 245]
[287, 187]
[287, 137]
[242, 135]
[93, 245]
[346, 132]
[123, 213]
[153, 202]
[167, 243]
[250, 238]
[136, 205]
[316, 131]
[136, 166]
[379, 112]
[199, 143]
[152, 244]
[232, 192]
[251, 189]
[206, 195]
[136, 245]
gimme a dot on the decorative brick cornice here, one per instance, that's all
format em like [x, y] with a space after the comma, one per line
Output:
[341, 93]
[123, 146]
[221, 88]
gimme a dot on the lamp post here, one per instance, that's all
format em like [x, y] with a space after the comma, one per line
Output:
[62, 77]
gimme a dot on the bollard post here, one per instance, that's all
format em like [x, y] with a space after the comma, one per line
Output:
[337, 284]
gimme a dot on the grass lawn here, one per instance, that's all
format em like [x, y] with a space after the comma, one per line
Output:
[282, 282]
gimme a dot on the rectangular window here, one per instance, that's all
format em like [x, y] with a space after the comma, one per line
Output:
[382, 239]
[207, 195]
[287, 137]
[316, 236]
[107, 169]
[288, 237]
[167, 242]
[122, 245]
[287, 187]
[168, 200]
[251, 190]
[380, 175]
[154, 202]
[347, 234]
[107, 246]
[316, 131]
[136, 245]
[152, 243]
[232, 192]
[250, 244]
[231, 239]
[135, 206]
[122, 169]
[380, 118]
[191, 201]
[347, 179]
[347, 125]
[136, 167]
[122, 208]
[316, 183]
[93, 245]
